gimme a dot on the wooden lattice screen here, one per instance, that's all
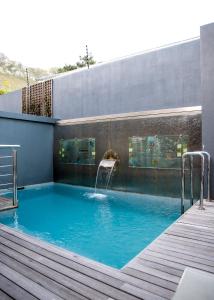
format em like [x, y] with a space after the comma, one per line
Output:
[37, 99]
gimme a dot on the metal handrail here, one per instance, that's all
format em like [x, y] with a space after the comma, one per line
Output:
[14, 173]
[208, 171]
[191, 155]
[10, 146]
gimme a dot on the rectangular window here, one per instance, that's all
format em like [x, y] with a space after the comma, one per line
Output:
[157, 151]
[77, 151]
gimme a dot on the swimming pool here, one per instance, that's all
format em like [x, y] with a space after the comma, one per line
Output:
[111, 227]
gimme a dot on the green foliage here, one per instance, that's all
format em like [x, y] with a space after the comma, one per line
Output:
[2, 92]
[83, 62]
[67, 68]
[4, 87]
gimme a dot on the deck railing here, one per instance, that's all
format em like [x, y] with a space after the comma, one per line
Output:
[203, 155]
[8, 170]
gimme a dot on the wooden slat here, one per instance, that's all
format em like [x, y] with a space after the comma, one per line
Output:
[142, 294]
[176, 262]
[34, 289]
[35, 273]
[185, 254]
[4, 296]
[13, 290]
[156, 276]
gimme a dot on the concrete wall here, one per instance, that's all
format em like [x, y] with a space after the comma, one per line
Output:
[11, 102]
[35, 135]
[165, 78]
[207, 92]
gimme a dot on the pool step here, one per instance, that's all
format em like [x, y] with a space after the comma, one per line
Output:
[6, 203]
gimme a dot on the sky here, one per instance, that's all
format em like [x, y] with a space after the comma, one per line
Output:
[52, 33]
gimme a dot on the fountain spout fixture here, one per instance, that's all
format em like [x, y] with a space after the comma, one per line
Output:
[108, 165]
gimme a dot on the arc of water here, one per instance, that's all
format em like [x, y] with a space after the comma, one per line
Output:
[97, 177]
[108, 164]
[109, 175]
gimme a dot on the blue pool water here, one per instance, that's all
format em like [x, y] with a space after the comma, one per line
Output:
[111, 228]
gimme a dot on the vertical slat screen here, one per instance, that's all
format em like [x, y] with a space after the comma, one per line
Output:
[37, 99]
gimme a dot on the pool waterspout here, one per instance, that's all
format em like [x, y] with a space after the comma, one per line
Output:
[108, 164]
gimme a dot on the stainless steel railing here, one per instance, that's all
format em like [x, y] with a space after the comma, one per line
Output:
[191, 155]
[12, 165]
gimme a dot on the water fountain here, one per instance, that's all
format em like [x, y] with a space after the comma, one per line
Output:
[108, 165]
[105, 170]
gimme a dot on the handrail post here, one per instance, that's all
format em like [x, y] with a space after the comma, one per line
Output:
[182, 183]
[191, 155]
[208, 177]
[14, 177]
[201, 205]
[191, 180]
[208, 174]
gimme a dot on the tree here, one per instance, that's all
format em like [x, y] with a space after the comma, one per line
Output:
[83, 62]
[66, 68]
[4, 87]
[2, 92]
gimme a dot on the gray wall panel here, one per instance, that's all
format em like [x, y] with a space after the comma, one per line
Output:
[207, 88]
[35, 158]
[11, 102]
[165, 78]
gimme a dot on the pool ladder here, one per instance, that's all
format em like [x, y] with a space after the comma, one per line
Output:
[11, 163]
[203, 155]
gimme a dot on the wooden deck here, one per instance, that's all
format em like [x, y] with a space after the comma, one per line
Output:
[6, 203]
[33, 269]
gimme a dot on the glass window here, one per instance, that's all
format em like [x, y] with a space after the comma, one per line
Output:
[157, 151]
[77, 151]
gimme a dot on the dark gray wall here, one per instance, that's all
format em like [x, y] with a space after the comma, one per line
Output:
[165, 78]
[115, 134]
[35, 135]
[11, 102]
[207, 90]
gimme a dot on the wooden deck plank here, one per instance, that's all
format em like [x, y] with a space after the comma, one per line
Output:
[178, 261]
[111, 272]
[4, 296]
[34, 251]
[157, 266]
[177, 253]
[35, 289]
[192, 236]
[142, 294]
[198, 252]
[138, 271]
[192, 229]
[156, 276]
[14, 291]
[32, 271]
[71, 274]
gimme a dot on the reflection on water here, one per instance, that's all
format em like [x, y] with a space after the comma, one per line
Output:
[97, 196]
